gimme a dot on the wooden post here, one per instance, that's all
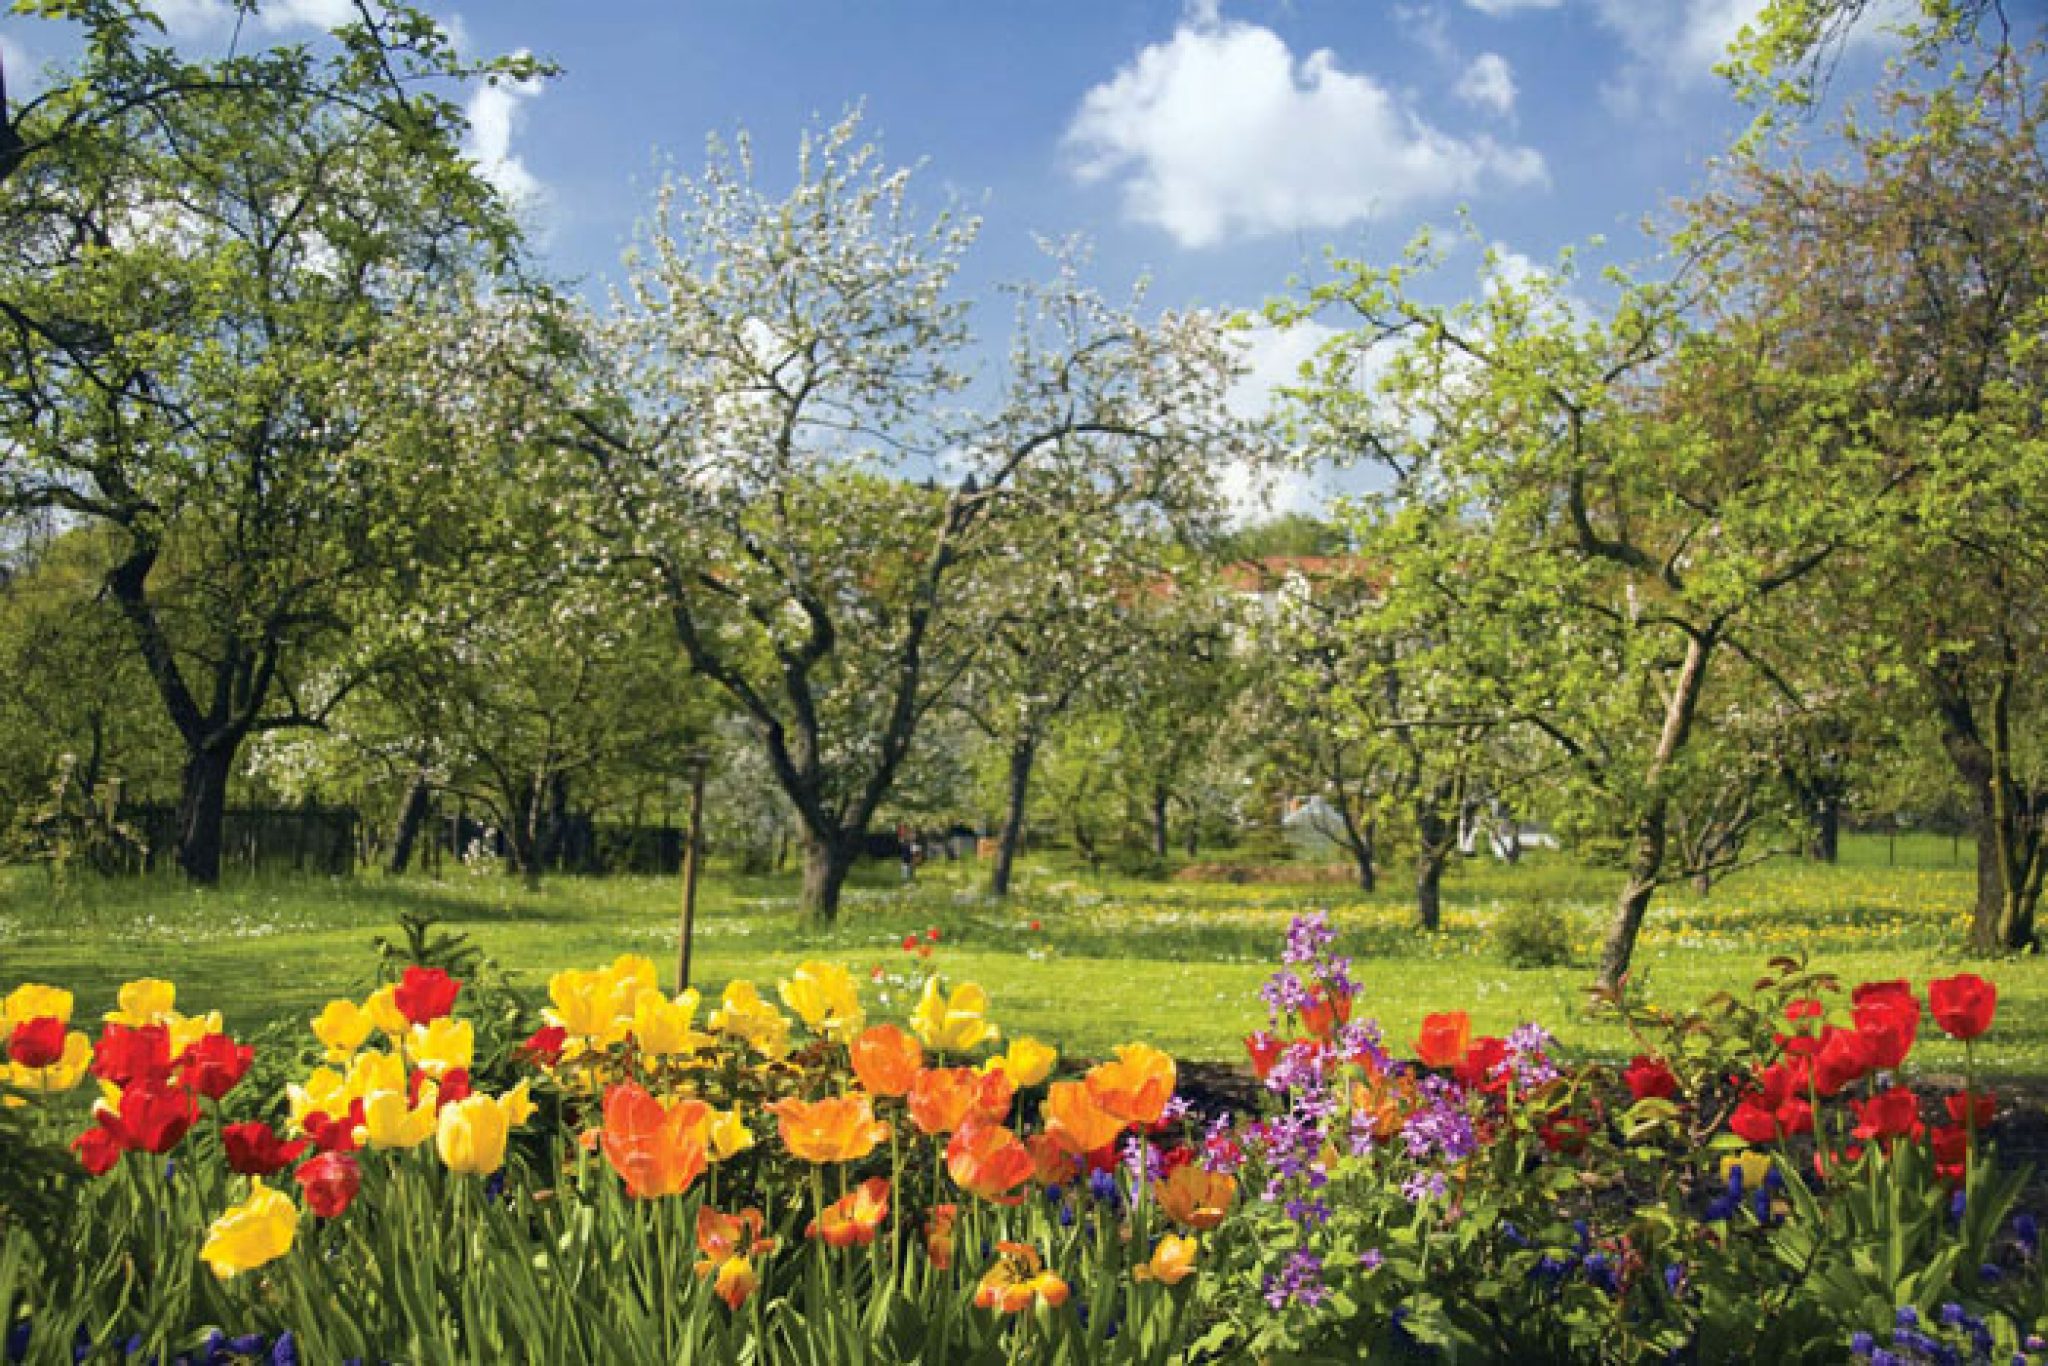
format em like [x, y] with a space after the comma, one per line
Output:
[693, 854]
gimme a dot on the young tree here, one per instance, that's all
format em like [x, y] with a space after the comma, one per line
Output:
[1613, 500]
[1914, 281]
[767, 444]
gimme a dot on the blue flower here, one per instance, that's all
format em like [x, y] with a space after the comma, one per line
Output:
[1862, 1344]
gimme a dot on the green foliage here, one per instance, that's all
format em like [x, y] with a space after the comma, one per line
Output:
[1533, 934]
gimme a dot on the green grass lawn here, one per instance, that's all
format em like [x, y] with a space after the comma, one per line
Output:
[1116, 959]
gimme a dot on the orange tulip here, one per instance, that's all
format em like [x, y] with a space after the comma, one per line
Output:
[658, 1149]
[887, 1060]
[1075, 1121]
[1173, 1261]
[938, 1235]
[836, 1129]
[851, 1221]
[988, 1160]
[1051, 1164]
[1195, 1198]
[944, 1098]
[1018, 1281]
[1136, 1087]
[1445, 1039]
[729, 1243]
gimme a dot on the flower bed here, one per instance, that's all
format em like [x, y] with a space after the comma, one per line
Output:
[428, 1174]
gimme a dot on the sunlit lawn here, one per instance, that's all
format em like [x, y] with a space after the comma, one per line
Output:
[1115, 959]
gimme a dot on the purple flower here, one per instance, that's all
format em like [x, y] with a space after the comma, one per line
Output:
[1299, 1282]
[1370, 1259]
[1419, 1185]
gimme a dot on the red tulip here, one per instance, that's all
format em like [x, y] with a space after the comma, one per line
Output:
[1965, 1107]
[1898, 989]
[1325, 1012]
[330, 1181]
[1889, 1114]
[425, 994]
[1649, 1077]
[153, 1116]
[254, 1149]
[37, 1043]
[126, 1054]
[1962, 1005]
[1845, 1057]
[1265, 1049]
[213, 1065]
[1444, 1040]
[334, 1135]
[1951, 1144]
[544, 1048]
[1890, 1022]
[1482, 1066]
[98, 1149]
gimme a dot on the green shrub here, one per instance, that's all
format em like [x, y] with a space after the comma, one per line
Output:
[1534, 935]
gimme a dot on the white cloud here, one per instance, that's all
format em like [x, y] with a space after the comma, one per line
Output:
[1489, 81]
[209, 18]
[1674, 47]
[1500, 7]
[494, 112]
[1220, 132]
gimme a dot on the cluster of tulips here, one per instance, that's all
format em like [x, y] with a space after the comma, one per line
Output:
[769, 1173]
[873, 1105]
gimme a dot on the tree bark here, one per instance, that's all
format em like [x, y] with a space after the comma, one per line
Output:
[1646, 861]
[1023, 754]
[1434, 840]
[827, 861]
[1361, 857]
[1824, 835]
[1159, 799]
[412, 814]
[2008, 821]
[202, 812]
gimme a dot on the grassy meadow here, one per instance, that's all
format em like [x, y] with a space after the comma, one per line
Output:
[1111, 958]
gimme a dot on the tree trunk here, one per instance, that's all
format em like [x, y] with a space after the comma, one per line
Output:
[1653, 827]
[412, 813]
[1159, 798]
[1361, 855]
[1824, 835]
[202, 811]
[827, 861]
[1429, 891]
[1022, 755]
[2009, 850]
[1192, 839]
[1433, 844]
[1644, 865]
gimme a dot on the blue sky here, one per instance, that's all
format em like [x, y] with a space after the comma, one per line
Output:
[1218, 146]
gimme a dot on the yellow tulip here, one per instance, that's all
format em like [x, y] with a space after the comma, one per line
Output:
[384, 1012]
[34, 1001]
[726, 1133]
[251, 1234]
[186, 1030]
[824, 997]
[343, 1026]
[442, 1046]
[144, 1001]
[519, 1106]
[324, 1092]
[955, 1024]
[470, 1134]
[388, 1123]
[742, 1012]
[1028, 1062]
[664, 1028]
[373, 1071]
